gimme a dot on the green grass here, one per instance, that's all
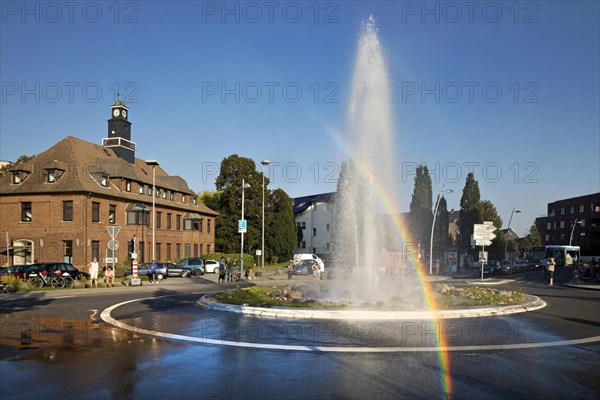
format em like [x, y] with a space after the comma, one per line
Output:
[258, 296]
[476, 296]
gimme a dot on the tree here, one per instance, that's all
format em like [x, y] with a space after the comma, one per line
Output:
[442, 223]
[421, 215]
[210, 199]
[229, 183]
[21, 159]
[533, 238]
[281, 241]
[469, 212]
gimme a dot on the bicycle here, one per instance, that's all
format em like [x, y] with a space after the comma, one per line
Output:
[40, 280]
[7, 288]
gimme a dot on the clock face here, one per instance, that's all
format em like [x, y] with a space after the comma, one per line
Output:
[116, 112]
[124, 113]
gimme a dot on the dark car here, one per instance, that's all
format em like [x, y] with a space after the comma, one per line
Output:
[493, 268]
[304, 267]
[176, 270]
[55, 268]
[18, 271]
[534, 263]
[194, 264]
[162, 270]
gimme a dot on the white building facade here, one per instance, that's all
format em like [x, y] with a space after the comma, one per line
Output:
[314, 216]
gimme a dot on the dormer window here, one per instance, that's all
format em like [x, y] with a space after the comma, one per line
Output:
[183, 198]
[128, 186]
[19, 176]
[141, 189]
[104, 180]
[193, 200]
[171, 195]
[164, 194]
[52, 175]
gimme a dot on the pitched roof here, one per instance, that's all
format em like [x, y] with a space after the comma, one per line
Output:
[83, 164]
[302, 203]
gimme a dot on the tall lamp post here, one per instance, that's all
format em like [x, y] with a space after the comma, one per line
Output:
[244, 186]
[508, 230]
[262, 247]
[573, 230]
[437, 204]
[153, 163]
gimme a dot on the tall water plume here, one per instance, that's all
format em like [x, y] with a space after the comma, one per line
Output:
[367, 185]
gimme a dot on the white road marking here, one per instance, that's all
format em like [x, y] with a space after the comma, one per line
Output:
[106, 316]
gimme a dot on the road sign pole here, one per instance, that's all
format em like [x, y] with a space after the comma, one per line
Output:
[482, 252]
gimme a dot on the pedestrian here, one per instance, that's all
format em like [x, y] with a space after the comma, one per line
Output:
[222, 270]
[227, 270]
[109, 277]
[93, 269]
[316, 271]
[551, 265]
[153, 268]
[290, 269]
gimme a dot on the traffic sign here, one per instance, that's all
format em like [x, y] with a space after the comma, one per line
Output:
[113, 230]
[113, 244]
[483, 228]
[484, 236]
[483, 243]
[242, 226]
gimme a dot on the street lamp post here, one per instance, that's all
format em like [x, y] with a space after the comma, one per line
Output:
[437, 204]
[153, 163]
[508, 230]
[573, 230]
[244, 186]
[262, 248]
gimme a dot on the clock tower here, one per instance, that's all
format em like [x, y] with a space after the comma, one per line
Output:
[119, 132]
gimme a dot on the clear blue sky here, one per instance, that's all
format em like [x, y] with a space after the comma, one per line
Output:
[508, 91]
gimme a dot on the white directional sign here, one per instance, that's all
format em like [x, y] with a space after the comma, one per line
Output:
[483, 243]
[484, 236]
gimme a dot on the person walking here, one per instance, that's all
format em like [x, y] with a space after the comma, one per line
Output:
[222, 270]
[290, 269]
[551, 265]
[153, 268]
[93, 268]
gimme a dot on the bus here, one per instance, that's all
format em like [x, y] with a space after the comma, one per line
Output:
[564, 255]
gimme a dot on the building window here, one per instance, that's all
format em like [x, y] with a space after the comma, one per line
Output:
[195, 249]
[19, 176]
[328, 227]
[68, 251]
[104, 180]
[572, 209]
[157, 252]
[200, 225]
[52, 175]
[128, 185]
[187, 224]
[26, 211]
[157, 193]
[169, 251]
[67, 210]
[303, 225]
[96, 249]
[314, 231]
[562, 224]
[95, 212]
[303, 245]
[208, 225]
[137, 214]
[547, 238]
[112, 214]
[171, 196]
[201, 249]
[208, 247]
[168, 220]
[149, 190]
[178, 250]
[183, 198]
[194, 200]
[141, 189]
[164, 194]
[158, 219]
[562, 211]
[187, 250]
[583, 223]
[548, 225]
[178, 222]
[581, 208]
[314, 250]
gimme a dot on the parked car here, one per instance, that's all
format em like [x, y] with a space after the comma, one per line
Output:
[51, 268]
[304, 267]
[520, 265]
[18, 271]
[195, 264]
[162, 270]
[534, 263]
[211, 266]
[493, 268]
[176, 270]
[506, 266]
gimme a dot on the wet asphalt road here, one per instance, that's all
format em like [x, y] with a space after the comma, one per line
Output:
[55, 346]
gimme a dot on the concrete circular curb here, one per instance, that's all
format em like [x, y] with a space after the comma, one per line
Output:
[533, 303]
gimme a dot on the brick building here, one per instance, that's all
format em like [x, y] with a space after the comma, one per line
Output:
[579, 216]
[58, 205]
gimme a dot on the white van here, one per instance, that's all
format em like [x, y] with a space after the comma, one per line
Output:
[307, 256]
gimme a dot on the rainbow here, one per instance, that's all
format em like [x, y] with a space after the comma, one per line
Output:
[390, 205]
